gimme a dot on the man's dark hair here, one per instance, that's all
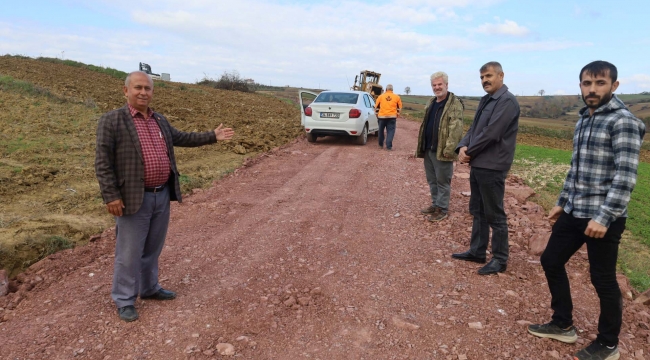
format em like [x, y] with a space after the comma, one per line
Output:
[492, 64]
[600, 68]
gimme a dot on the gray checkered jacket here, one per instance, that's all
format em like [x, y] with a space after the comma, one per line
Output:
[119, 165]
[604, 164]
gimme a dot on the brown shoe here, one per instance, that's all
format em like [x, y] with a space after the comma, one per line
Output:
[438, 216]
[430, 210]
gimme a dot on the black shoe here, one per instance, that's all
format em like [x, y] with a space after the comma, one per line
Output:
[128, 313]
[492, 267]
[161, 294]
[467, 256]
[598, 351]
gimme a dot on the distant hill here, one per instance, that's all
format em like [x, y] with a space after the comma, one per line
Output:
[554, 111]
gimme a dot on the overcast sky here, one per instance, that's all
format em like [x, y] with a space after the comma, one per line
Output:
[541, 44]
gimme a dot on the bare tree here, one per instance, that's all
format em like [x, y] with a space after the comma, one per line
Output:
[541, 92]
[407, 90]
[228, 81]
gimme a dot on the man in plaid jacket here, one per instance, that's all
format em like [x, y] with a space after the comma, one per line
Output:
[137, 174]
[592, 209]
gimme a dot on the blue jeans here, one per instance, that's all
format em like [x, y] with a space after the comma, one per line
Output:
[486, 205]
[389, 125]
[140, 240]
[567, 237]
[439, 174]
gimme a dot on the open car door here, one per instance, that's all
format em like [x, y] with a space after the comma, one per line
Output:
[306, 98]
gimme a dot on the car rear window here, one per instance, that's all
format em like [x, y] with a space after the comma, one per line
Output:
[334, 97]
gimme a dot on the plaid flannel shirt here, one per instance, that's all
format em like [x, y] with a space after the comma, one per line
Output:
[604, 163]
[154, 149]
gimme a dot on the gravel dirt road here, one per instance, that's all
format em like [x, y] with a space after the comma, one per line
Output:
[312, 251]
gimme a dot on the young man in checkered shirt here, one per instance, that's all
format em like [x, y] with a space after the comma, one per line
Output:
[592, 209]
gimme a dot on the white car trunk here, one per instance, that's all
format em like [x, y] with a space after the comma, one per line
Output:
[331, 111]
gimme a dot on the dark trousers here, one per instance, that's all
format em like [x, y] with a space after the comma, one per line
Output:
[389, 125]
[486, 205]
[567, 237]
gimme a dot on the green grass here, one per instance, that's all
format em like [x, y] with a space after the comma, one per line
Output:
[189, 182]
[37, 248]
[639, 213]
[553, 156]
[13, 145]
[195, 90]
[634, 97]
[548, 132]
[536, 164]
[415, 115]
[415, 99]
[54, 244]
[9, 84]
[290, 102]
[100, 69]
[44, 247]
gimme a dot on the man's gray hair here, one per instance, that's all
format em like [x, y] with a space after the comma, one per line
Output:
[440, 74]
[492, 64]
[128, 77]
[389, 87]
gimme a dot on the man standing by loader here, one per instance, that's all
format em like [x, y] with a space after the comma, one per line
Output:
[388, 107]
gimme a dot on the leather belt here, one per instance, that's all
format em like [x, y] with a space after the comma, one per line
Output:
[155, 189]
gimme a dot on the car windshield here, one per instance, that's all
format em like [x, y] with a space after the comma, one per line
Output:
[335, 97]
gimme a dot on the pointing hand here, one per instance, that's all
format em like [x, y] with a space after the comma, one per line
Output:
[223, 133]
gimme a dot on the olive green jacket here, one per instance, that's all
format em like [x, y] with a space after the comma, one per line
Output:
[450, 131]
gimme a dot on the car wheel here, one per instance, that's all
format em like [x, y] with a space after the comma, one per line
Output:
[311, 137]
[363, 137]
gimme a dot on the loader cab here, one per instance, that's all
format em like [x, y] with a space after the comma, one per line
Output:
[147, 69]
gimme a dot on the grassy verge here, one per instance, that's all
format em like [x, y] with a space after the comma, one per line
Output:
[100, 69]
[9, 84]
[544, 170]
[541, 131]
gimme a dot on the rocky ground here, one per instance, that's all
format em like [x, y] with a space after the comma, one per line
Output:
[313, 251]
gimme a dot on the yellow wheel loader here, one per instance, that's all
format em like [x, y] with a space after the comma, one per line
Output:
[368, 81]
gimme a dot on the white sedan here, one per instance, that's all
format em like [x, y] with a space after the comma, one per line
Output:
[338, 113]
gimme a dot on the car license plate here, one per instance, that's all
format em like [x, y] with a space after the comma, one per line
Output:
[329, 115]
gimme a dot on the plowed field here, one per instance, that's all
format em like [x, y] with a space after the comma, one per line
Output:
[50, 197]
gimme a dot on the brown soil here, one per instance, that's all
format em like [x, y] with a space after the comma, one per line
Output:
[48, 187]
[312, 251]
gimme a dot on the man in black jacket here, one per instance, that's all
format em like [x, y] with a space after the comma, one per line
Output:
[489, 148]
